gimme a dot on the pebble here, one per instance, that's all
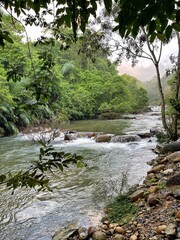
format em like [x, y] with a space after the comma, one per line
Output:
[158, 217]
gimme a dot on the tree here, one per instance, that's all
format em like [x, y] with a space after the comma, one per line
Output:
[158, 17]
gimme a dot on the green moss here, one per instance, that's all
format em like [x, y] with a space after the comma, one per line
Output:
[121, 209]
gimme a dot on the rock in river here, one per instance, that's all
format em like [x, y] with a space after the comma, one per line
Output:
[125, 138]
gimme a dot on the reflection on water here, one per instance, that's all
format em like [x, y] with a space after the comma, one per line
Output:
[78, 195]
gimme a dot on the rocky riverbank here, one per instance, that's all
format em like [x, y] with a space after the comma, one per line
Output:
[158, 201]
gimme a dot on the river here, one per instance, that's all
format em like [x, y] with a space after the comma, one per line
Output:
[79, 195]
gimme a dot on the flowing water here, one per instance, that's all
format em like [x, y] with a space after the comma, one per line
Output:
[79, 195]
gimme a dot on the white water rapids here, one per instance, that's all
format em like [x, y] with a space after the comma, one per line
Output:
[79, 195]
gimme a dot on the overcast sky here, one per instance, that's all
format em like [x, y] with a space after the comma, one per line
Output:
[145, 70]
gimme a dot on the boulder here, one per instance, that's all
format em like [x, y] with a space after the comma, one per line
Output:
[69, 137]
[136, 195]
[125, 138]
[119, 230]
[99, 235]
[157, 168]
[174, 180]
[64, 233]
[155, 131]
[175, 157]
[87, 134]
[145, 135]
[171, 147]
[104, 138]
[118, 237]
[83, 233]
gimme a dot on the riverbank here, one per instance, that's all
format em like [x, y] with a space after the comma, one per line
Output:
[158, 202]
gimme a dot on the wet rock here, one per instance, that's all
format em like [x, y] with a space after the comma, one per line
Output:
[178, 214]
[176, 194]
[83, 233]
[119, 230]
[104, 138]
[118, 237]
[113, 225]
[92, 230]
[134, 236]
[152, 200]
[168, 171]
[175, 157]
[99, 235]
[69, 137]
[64, 233]
[136, 195]
[160, 229]
[145, 135]
[157, 168]
[170, 230]
[104, 226]
[154, 131]
[125, 138]
[171, 147]
[174, 180]
[87, 134]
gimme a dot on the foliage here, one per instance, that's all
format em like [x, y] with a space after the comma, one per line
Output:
[162, 137]
[55, 84]
[159, 17]
[121, 209]
[49, 160]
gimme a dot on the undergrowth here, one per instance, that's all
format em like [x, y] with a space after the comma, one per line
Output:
[121, 209]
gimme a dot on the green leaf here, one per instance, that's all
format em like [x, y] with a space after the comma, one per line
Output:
[42, 151]
[83, 26]
[152, 38]
[61, 167]
[176, 26]
[161, 36]
[60, 21]
[6, 37]
[80, 164]
[108, 5]
[178, 15]
[168, 32]
[2, 178]
[59, 11]
[152, 26]
[116, 28]
[67, 21]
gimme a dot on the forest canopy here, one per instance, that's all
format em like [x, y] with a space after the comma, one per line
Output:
[50, 83]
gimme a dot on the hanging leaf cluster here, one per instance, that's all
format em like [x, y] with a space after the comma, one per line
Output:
[49, 160]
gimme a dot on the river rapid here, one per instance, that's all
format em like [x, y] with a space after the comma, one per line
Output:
[79, 195]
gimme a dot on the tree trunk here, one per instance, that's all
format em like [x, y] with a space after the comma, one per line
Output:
[163, 105]
[175, 124]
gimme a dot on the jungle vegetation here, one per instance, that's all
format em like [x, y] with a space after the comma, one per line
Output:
[45, 82]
